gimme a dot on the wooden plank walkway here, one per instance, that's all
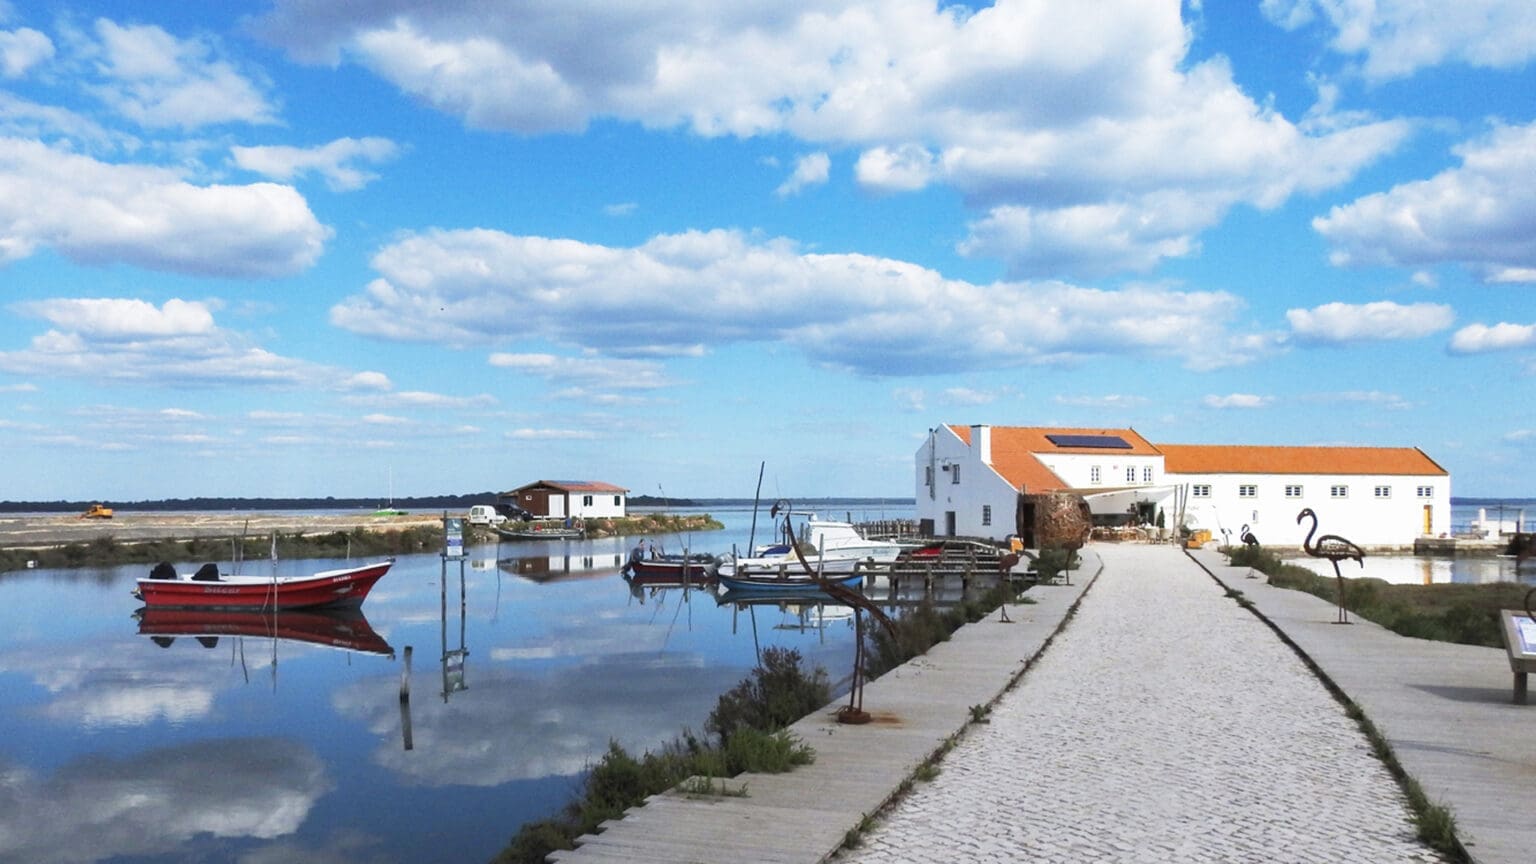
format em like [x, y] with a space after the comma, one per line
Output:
[804, 815]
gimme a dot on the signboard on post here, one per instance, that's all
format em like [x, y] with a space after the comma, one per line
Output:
[1520, 641]
[453, 537]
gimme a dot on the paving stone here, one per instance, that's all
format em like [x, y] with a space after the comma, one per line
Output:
[1161, 725]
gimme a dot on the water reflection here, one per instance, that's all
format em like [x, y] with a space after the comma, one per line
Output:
[347, 629]
[93, 808]
[1424, 570]
[530, 658]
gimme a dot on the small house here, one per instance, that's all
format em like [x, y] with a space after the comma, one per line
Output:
[575, 499]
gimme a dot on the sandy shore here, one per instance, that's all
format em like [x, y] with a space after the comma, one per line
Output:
[54, 530]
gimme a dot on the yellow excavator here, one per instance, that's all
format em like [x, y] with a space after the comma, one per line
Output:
[97, 511]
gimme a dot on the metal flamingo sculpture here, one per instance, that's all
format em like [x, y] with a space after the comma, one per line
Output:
[1335, 549]
[1246, 536]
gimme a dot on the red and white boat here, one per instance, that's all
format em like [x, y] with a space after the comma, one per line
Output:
[207, 589]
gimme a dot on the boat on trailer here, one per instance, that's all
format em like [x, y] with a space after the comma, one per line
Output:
[208, 589]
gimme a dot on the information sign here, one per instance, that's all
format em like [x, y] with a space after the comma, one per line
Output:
[453, 537]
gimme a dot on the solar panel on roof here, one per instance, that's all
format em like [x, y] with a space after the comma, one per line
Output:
[1101, 442]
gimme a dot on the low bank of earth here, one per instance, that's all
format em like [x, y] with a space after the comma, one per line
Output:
[69, 541]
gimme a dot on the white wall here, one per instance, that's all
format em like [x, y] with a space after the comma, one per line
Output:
[980, 486]
[1076, 469]
[1396, 520]
[602, 504]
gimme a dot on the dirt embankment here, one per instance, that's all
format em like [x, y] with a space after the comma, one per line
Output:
[42, 531]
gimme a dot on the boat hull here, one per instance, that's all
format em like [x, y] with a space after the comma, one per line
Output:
[766, 584]
[538, 533]
[673, 570]
[328, 589]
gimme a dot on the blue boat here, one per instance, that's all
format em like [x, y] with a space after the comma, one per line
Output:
[789, 584]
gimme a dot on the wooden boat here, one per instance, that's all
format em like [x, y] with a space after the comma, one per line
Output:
[207, 589]
[788, 584]
[672, 569]
[538, 531]
[334, 628]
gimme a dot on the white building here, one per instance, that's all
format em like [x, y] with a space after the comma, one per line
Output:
[1375, 496]
[970, 479]
[578, 499]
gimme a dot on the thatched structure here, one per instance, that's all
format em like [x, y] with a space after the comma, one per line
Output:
[1053, 520]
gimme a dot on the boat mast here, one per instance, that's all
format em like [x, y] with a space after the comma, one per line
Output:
[752, 537]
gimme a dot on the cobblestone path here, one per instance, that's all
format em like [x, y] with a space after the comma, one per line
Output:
[1165, 723]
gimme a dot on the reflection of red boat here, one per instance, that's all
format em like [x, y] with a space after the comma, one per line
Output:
[208, 590]
[345, 628]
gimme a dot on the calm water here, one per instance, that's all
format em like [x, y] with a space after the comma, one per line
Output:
[117, 747]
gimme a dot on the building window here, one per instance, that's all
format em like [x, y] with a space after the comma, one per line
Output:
[615, 500]
[1093, 476]
[586, 500]
[1247, 490]
[986, 514]
[1146, 474]
[954, 475]
[1130, 474]
[1293, 491]
[1426, 491]
[1200, 490]
[1338, 491]
[1383, 491]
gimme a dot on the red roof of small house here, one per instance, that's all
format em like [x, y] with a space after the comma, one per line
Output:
[1015, 451]
[1243, 459]
[573, 486]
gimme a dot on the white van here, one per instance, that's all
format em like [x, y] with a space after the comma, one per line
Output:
[485, 514]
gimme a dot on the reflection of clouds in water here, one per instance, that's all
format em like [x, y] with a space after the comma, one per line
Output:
[97, 808]
[344, 847]
[1422, 570]
[513, 724]
[95, 685]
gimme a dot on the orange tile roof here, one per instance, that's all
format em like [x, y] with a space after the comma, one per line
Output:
[1244, 459]
[1014, 450]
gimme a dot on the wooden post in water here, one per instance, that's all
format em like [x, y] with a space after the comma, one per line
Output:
[405, 701]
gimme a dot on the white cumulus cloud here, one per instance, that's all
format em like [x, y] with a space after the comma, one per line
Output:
[1481, 338]
[1368, 322]
[177, 344]
[157, 80]
[875, 315]
[811, 169]
[336, 161]
[22, 49]
[1237, 400]
[1398, 37]
[1482, 214]
[1055, 125]
[101, 213]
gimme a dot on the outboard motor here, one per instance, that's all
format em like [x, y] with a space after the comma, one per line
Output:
[163, 570]
[207, 573]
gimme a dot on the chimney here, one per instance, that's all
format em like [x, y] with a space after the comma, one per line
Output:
[981, 443]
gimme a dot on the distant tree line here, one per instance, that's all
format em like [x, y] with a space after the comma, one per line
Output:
[450, 503]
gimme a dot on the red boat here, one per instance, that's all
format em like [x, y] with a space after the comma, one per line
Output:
[672, 569]
[207, 589]
[335, 628]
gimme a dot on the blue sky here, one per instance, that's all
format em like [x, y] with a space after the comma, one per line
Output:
[309, 248]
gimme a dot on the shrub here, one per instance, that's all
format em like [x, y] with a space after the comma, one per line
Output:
[777, 694]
